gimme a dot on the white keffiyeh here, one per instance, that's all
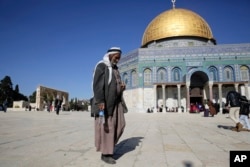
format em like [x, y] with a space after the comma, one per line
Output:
[106, 60]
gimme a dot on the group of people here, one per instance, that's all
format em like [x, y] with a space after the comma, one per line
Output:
[209, 108]
[28, 107]
[238, 110]
[57, 106]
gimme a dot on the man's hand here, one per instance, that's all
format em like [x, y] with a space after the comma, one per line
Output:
[123, 86]
[101, 106]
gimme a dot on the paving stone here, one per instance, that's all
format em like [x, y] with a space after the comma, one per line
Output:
[42, 139]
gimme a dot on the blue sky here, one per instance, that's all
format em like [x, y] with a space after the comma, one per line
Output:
[56, 43]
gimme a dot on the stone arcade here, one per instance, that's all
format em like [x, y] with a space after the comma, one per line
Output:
[45, 97]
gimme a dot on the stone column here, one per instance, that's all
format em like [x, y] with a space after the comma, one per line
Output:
[155, 98]
[210, 85]
[220, 97]
[163, 99]
[39, 99]
[236, 87]
[179, 97]
[246, 91]
[188, 98]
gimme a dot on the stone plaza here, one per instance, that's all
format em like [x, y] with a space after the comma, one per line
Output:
[43, 139]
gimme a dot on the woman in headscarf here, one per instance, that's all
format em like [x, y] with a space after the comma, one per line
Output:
[211, 108]
[108, 90]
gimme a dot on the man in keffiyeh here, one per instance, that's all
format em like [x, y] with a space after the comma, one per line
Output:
[108, 90]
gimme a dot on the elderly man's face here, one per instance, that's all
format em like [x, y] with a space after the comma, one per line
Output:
[114, 58]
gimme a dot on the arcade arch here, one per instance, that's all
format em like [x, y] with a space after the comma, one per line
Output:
[199, 80]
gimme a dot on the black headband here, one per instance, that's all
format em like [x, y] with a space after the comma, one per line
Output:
[114, 50]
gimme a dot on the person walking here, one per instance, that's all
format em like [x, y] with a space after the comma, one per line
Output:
[212, 110]
[108, 97]
[244, 113]
[206, 110]
[233, 99]
[5, 105]
[58, 103]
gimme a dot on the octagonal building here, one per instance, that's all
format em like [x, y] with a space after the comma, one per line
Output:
[180, 65]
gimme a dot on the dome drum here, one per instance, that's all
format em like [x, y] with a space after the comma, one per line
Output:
[180, 42]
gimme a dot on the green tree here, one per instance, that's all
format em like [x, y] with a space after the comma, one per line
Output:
[86, 105]
[6, 90]
[32, 97]
[16, 89]
[17, 96]
[71, 104]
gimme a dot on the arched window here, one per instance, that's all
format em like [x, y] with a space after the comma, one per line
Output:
[147, 77]
[176, 74]
[125, 79]
[214, 73]
[133, 78]
[228, 74]
[244, 73]
[161, 75]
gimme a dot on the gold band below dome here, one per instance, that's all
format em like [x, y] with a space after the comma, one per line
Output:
[176, 23]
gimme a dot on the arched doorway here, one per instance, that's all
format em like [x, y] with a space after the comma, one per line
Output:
[198, 81]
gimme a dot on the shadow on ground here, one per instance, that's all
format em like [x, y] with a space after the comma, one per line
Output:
[225, 127]
[187, 164]
[126, 146]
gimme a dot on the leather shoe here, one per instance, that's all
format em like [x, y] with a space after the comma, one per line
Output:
[239, 127]
[108, 159]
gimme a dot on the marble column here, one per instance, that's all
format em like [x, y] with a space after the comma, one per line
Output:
[246, 91]
[236, 87]
[220, 97]
[188, 98]
[210, 85]
[164, 98]
[179, 97]
[155, 98]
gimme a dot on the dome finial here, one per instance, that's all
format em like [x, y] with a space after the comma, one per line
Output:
[173, 1]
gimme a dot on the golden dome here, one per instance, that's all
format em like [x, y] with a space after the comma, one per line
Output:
[176, 23]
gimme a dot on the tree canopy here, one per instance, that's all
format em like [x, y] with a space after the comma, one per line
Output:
[7, 92]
